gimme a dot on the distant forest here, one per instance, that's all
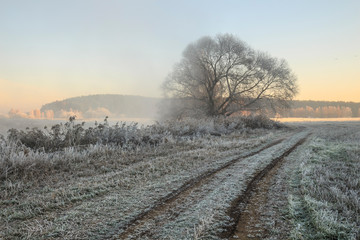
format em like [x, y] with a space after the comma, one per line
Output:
[113, 105]
[99, 106]
[322, 109]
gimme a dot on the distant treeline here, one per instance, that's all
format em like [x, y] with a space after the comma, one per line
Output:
[322, 109]
[114, 105]
[95, 106]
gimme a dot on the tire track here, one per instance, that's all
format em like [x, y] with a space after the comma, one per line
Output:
[256, 190]
[178, 195]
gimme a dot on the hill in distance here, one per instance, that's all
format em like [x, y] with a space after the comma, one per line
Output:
[99, 106]
[128, 106]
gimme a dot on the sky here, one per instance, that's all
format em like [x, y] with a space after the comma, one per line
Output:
[52, 50]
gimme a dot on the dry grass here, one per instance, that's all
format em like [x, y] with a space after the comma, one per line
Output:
[327, 205]
[100, 187]
[91, 192]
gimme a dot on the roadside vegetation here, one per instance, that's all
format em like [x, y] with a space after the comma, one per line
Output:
[35, 151]
[324, 203]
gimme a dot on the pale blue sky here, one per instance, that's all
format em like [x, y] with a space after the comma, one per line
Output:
[51, 50]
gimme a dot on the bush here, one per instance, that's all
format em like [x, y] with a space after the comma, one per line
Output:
[61, 136]
[35, 152]
[126, 135]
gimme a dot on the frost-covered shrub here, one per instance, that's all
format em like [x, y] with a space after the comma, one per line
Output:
[61, 136]
[43, 150]
[260, 121]
[214, 126]
[122, 134]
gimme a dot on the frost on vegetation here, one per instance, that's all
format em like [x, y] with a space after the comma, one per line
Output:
[201, 228]
[122, 134]
[330, 186]
[45, 171]
[44, 148]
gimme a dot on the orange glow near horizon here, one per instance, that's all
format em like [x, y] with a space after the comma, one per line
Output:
[343, 91]
[329, 79]
[130, 50]
[24, 97]
[312, 86]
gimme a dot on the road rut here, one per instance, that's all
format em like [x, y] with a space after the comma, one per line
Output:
[173, 204]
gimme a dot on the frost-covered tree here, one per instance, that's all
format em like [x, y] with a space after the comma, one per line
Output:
[223, 75]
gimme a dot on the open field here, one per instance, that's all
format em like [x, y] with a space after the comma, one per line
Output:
[193, 180]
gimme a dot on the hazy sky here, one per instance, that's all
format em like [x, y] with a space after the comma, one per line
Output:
[52, 49]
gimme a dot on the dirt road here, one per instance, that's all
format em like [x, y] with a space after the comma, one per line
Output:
[241, 208]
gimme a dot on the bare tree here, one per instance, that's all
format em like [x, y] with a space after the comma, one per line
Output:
[222, 75]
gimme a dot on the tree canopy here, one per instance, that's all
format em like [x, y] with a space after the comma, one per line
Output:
[223, 75]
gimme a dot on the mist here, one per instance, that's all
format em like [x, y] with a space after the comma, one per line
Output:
[118, 108]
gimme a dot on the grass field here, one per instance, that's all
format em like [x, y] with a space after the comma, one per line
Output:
[183, 180]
